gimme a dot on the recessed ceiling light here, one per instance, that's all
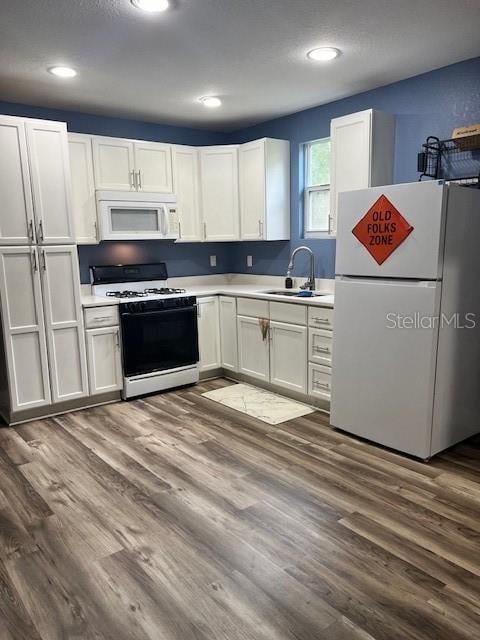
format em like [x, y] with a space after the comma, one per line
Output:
[323, 54]
[152, 6]
[211, 102]
[63, 72]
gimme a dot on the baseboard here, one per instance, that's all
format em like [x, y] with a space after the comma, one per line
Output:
[59, 408]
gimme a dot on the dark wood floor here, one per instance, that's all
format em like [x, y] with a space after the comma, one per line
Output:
[173, 517]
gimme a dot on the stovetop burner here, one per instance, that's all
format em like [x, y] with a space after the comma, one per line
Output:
[163, 291]
[126, 294]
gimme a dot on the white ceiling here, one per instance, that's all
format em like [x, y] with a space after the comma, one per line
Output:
[251, 53]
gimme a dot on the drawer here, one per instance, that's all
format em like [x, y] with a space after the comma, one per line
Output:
[101, 316]
[319, 381]
[321, 317]
[320, 346]
[252, 307]
[290, 313]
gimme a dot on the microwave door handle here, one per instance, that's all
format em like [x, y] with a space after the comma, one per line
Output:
[165, 220]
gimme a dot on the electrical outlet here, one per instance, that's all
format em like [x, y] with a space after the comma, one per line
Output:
[213, 261]
[249, 261]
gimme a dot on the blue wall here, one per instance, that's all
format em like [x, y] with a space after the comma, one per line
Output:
[430, 104]
[117, 127]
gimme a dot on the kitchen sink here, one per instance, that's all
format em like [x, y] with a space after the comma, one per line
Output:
[294, 294]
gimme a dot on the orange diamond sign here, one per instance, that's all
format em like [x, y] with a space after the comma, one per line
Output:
[382, 229]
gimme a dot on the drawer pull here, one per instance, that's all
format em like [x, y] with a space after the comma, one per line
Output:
[321, 385]
[322, 350]
[101, 318]
[321, 320]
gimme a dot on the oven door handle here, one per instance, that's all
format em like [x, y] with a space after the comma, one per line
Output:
[156, 313]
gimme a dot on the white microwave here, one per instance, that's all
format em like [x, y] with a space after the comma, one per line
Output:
[137, 216]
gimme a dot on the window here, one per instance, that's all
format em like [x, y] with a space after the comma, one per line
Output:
[317, 188]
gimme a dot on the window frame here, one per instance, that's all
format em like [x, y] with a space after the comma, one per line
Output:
[308, 190]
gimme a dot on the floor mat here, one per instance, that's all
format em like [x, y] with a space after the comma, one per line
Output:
[261, 404]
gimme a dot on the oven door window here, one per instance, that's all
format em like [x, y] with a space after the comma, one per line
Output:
[159, 340]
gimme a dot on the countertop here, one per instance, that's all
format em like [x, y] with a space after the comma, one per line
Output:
[237, 290]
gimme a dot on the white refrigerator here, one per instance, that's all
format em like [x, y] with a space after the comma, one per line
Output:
[406, 343]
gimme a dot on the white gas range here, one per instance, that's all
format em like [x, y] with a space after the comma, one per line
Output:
[158, 326]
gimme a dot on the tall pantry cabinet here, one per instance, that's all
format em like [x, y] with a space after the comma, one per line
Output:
[43, 344]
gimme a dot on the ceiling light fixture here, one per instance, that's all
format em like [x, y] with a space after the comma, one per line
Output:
[211, 102]
[62, 72]
[151, 6]
[323, 54]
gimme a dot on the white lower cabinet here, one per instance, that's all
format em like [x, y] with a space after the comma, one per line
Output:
[64, 322]
[320, 346]
[228, 332]
[42, 326]
[280, 343]
[288, 356]
[208, 333]
[320, 335]
[253, 348]
[320, 381]
[23, 329]
[104, 360]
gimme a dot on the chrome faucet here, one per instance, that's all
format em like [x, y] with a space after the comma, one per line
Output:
[310, 283]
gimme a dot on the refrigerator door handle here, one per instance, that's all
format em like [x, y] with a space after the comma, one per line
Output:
[431, 284]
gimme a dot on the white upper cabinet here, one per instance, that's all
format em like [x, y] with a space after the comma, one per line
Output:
[219, 180]
[153, 167]
[130, 165]
[362, 152]
[50, 175]
[83, 189]
[64, 322]
[187, 190]
[23, 328]
[16, 210]
[114, 164]
[264, 181]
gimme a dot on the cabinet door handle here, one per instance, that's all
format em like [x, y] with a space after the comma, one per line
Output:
[44, 260]
[179, 231]
[199, 310]
[30, 231]
[117, 339]
[33, 257]
[139, 180]
[260, 229]
[204, 230]
[133, 181]
[40, 231]
[95, 230]
[321, 350]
